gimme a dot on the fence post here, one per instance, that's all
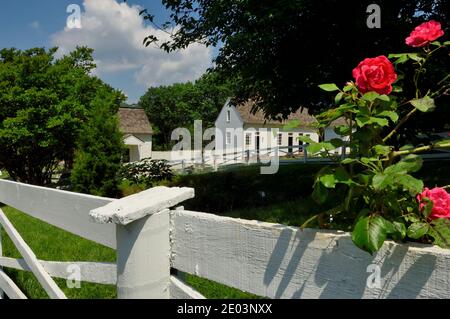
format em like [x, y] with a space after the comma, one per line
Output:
[1, 254]
[143, 240]
[183, 165]
[215, 164]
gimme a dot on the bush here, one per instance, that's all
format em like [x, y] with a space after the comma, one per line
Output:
[147, 172]
[243, 188]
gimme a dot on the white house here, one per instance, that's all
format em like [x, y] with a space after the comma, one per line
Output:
[137, 130]
[239, 129]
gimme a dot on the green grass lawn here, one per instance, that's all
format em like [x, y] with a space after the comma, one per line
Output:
[53, 244]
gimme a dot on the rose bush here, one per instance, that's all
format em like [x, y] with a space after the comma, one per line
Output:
[374, 187]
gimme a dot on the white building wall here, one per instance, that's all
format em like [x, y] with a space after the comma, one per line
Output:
[145, 149]
[330, 134]
[140, 146]
[229, 122]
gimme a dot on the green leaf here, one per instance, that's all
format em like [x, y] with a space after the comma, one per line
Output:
[376, 120]
[362, 120]
[370, 233]
[396, 55]
[425, 104]
[381, 181]
[370, 96]
[382, 150]
[329, 87]
[320, 194]
[342, 130]
[390, 114]
[335, 143]
[306, 139]
[328, 180]
[440, 231]
[348, 88]
[428, 208]
[348, 161]
[291, 125]
[338, 97]
[411, 163]
[417, 230]
[412, 218]
[413, 185]
[414, 56]
[401, 57]
[447, 43]
[400, 228]
[314, 148]
[343, 177]
[384, 97]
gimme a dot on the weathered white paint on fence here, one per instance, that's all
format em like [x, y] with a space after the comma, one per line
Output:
[95, 272]
[179, 290]
[126, 210]
[10, 288]
[66, 210]
[1, 254]
[38, 270]
[285, 262]
[143, 251]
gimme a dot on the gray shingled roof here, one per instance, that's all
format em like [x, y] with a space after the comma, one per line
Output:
[245, 110]
[301, 115]
[134, 121]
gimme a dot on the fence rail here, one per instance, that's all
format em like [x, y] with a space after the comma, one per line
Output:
[299, 154]
[152, 237]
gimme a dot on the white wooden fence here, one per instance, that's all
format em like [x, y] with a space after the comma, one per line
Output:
[152, 237]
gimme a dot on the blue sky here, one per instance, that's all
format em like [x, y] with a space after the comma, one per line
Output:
[114, 29]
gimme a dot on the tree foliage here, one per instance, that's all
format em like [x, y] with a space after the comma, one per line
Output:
[280, 51]
[44, 102]
[100, 148]
[179, 105]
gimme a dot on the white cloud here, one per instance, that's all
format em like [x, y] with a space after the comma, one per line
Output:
[116, 31]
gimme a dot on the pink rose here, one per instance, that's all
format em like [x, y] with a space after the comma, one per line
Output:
[424, 34]
[440, 199]
[375, 74]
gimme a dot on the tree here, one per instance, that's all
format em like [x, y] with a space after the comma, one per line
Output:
[100, 149]
[44, 102]
[179, 105]
[280, 51]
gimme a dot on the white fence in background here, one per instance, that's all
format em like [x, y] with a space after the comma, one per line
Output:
[182, 160]
[152, 236]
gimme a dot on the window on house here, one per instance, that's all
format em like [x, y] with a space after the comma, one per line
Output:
[228, 116]
[228, 141]
[300, 142]
[300, 135]
[248, 139]
[280, 139]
